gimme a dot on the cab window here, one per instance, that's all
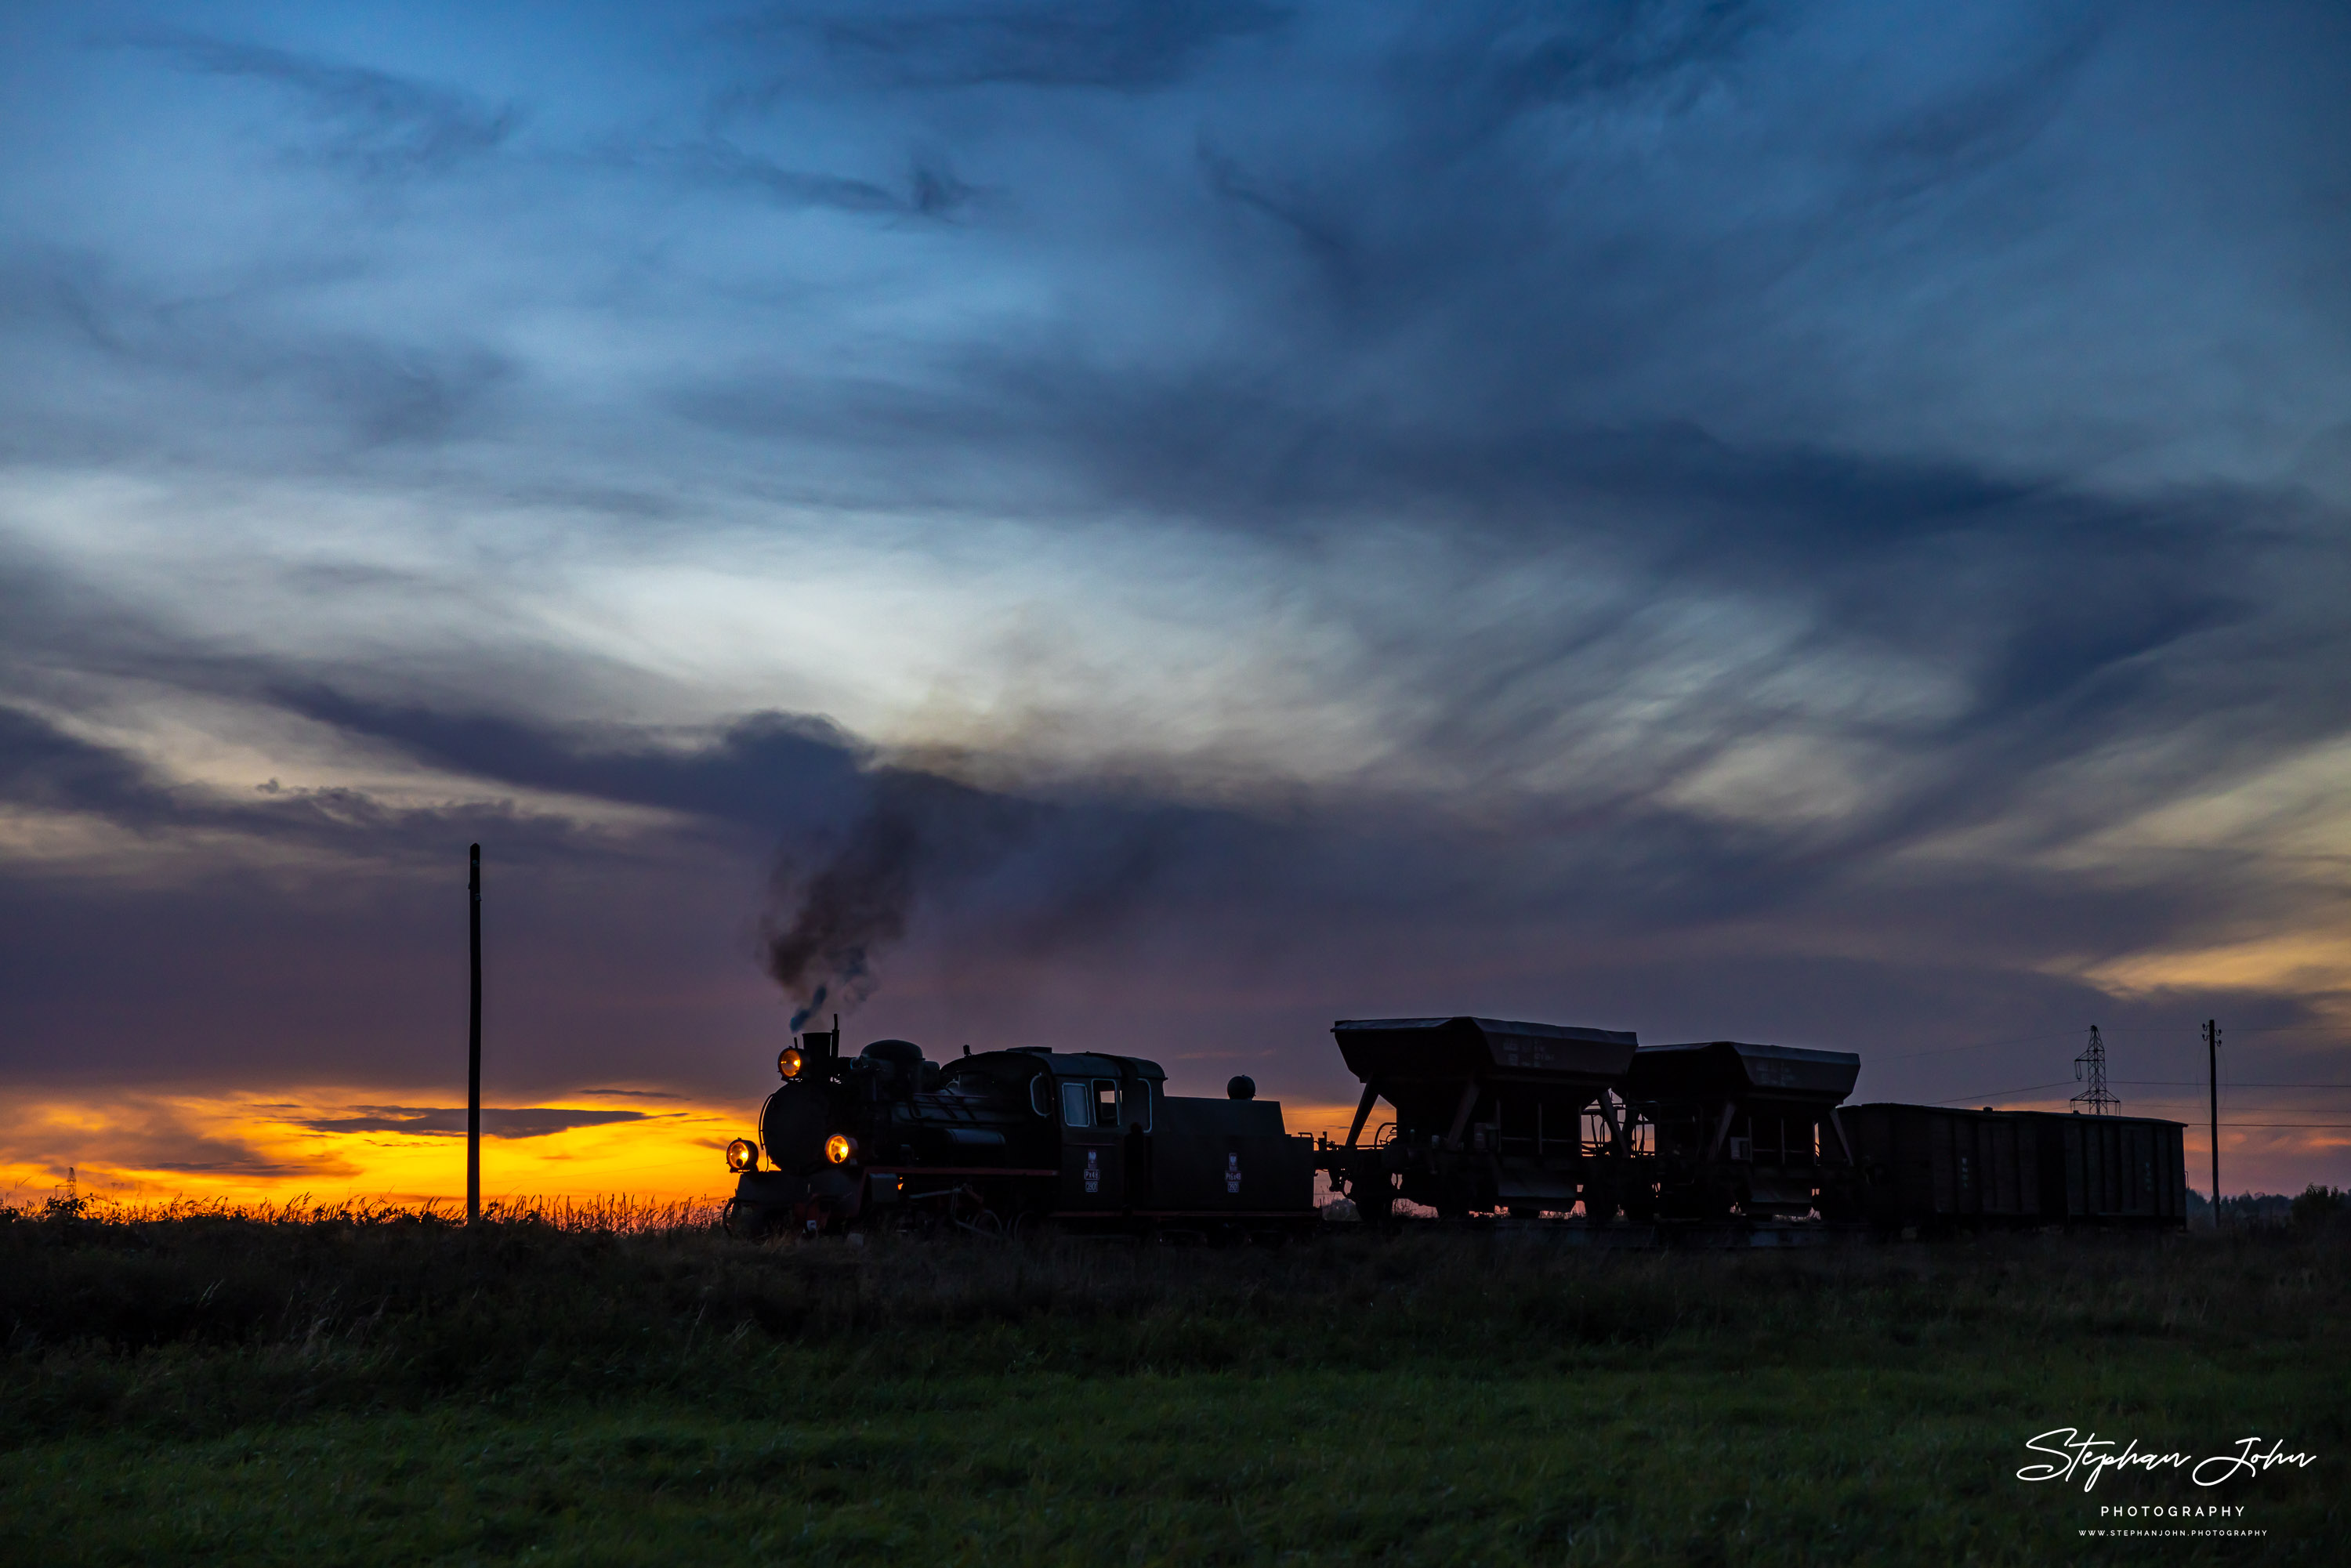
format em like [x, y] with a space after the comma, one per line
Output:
[1098, 1102]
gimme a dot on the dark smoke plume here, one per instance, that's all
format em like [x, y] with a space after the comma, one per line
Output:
[918, 832]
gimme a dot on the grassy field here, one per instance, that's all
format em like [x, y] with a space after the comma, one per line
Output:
[607, 1387]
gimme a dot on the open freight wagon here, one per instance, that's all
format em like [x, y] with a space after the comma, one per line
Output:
[1936, 1167]
[1724, 1128]
[1495, 1116]
[1491, 1116]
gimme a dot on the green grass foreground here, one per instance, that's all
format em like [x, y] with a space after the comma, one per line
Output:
[361, 1387]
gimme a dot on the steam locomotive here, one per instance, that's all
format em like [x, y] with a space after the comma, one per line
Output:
[1490, 1117]
[1012, 1140]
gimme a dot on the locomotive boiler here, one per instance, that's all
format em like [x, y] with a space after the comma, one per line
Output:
[1012, 1140]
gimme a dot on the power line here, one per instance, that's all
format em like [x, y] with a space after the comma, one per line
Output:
[1980, 1045]
[1963, 1098]
[2185, 1120]
[2068, 1034]
[2234, 1084]
[1972, 1099]
[2191, 1103]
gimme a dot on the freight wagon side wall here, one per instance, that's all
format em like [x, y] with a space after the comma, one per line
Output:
[2116, 1169]
[1890, 1142]
[1930, 1162]
[2012, 1168]
[1989, 1167]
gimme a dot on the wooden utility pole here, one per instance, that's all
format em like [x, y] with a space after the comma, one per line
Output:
[2212, 1062]
[474, 1054]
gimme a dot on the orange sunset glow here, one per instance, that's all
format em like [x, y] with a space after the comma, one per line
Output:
[327, 1147]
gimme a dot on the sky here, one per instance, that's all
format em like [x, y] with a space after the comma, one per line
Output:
[1153, 528]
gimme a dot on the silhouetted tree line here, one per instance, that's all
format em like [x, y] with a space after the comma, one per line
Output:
[2315, 1205]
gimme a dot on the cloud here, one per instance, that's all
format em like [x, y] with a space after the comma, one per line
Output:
[369, 123]
[137, 1132]
[1074, 913]
[930, 188]
[758, 771]
[237, 355]
[1130, 46]
[44, 768]
[527, 1122]
[1070, 873]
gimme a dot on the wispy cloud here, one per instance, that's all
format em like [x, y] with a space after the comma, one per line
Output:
[366, 122]
[526, 1121]
[1129, 46]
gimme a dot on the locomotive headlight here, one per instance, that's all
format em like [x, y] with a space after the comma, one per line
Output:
[840, 1148]
[790, 1061]
[742, 1155]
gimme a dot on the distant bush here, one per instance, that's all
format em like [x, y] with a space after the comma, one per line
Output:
[2319, 1205]
[2245, 1209]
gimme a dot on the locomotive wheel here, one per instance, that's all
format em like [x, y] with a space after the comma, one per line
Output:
[746, 1221]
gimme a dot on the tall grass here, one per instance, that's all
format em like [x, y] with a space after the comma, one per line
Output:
[617, 1213]
[613, 1380]
[193, 1315]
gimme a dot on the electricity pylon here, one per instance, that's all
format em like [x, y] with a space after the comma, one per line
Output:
[2091, 1065]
